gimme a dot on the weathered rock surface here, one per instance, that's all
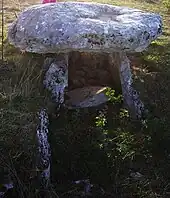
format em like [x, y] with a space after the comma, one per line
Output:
[86, 97]
[56, 77]
[65, 27]
[93, 69]
[76, 26]
[44, 150]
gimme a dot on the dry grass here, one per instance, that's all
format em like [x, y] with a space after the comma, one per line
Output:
[22, 95]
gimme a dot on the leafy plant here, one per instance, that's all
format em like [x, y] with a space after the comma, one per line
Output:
[111, 94]
[117, 142]
[101, 120]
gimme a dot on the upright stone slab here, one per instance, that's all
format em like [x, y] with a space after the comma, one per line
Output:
[44, 155]
[87, 27]
[65, 27]
[56, 77]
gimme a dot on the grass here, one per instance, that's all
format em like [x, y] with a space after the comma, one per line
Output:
[107, 146]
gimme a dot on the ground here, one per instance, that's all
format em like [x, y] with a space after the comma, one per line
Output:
[107, 147]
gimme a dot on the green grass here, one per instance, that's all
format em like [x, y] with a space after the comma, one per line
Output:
[106, 153]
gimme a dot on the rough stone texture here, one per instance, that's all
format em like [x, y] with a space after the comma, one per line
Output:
[83, 27]
[86, 77]
[44, 155]
[86, 97]
[56, 77]
[56, 80]
[130, 96]
[92, 69]
[86, 27]
[6, 184]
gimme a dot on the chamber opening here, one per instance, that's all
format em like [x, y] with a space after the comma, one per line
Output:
[89, 75]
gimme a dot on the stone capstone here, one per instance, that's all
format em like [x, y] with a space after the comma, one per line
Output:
[78, 26]
[65, 28]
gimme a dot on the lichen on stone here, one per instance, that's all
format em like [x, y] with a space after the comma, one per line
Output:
[84, 26]
[44, 150]
[56, 78]
[130, 95]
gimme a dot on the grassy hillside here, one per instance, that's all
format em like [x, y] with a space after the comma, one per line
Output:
[108, 147]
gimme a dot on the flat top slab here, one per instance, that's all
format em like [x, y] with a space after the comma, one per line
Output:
[80, 26]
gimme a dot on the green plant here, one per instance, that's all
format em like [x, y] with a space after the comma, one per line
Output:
[124, 113]
[101, 120]
[111, 94]
[119, 140]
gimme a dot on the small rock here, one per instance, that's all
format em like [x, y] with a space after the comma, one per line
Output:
[136, 176]
[86, 97]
